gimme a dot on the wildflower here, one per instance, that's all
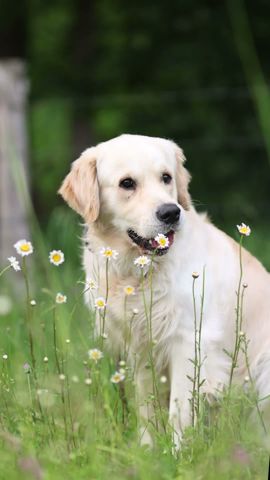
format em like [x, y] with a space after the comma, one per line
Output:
[142, 261]
[163, 379]
[91, 284]
[129, 290]
[5, 356]
[67, 340]
[45, 359]
[24, 248]
[244, 229]
[27, 368]
[122, 363]
[75, 379]
[60, 298]
[95, 354]
[14, 263]
[117, 377]
[56, 257]
[162, 241]
[62, 377]
[195, 275]
[88, 381]
[100, 303]
[135, 311]
[33, 303]
[109, 253]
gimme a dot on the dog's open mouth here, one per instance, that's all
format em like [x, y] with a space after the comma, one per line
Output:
[151, 244]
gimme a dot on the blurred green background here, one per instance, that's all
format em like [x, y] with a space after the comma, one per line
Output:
[195, 71]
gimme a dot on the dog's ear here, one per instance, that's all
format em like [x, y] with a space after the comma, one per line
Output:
[80, 187]
[183, 178]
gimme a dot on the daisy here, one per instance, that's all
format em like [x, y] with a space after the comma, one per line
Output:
[14, 263]
[100, 303]
[142, 261]
[244, 229]
[95, 354]
[117, 377]
[60, 298]
[109, 253]
[56, 257]
[88, 381]
[91, 284]
[129, 290]
[162, 241]
[24, 248]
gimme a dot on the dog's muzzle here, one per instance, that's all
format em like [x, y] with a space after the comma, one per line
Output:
[150, 244]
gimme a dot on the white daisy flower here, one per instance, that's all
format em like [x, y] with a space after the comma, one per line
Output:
[24, 248]
[33, 303]
[100, 303]
[117, 377]
[162, 241]
[56, 257]
[108, 253]
[5, 356]
[129, 290]
[244, 229]
[142, 261]
[14, 263]
[60, 298]
[95, 354]
[88, 381]
[91, 284]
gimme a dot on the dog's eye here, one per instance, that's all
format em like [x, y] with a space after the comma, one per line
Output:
[166, 178]
[128, 184]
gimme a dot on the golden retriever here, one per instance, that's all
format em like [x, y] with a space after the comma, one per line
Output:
[128, 190]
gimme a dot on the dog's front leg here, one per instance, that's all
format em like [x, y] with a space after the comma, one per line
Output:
[181, 367]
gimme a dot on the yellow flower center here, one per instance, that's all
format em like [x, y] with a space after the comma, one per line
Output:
[56, 257]
[25, 247]
[162, 242]
[100, 303]
[108, 253]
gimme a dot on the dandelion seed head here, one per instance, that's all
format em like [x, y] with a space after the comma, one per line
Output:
[56, 257]
[244, 229]
[23, 248]
[60, 298]
[14, 263]
[117, 377]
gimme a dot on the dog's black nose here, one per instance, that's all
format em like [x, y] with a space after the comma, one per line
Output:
[168, 213]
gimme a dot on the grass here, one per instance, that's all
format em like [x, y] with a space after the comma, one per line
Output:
[55, 424]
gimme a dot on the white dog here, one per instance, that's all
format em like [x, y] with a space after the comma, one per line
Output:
[128, 190]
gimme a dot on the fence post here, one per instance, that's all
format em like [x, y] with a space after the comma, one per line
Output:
[13, 155]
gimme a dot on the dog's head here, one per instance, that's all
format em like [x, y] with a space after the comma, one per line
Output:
[135, 185]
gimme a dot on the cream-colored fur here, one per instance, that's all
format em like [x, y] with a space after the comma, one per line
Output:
[92, 189]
